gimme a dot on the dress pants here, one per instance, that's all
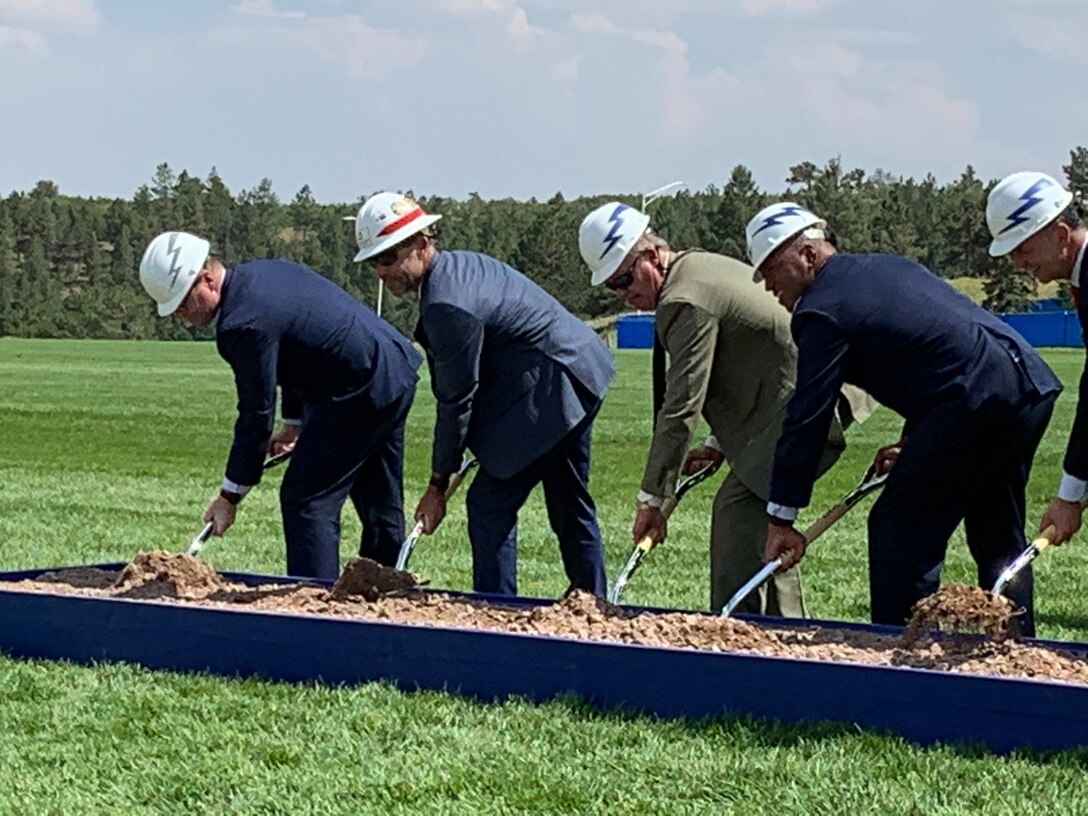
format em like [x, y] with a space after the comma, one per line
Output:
[345, 448]
[955, 466]
[493, 506]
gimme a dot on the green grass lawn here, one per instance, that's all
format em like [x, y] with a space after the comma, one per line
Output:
[115, 447]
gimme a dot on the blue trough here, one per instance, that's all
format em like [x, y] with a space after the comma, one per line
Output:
[920, 705]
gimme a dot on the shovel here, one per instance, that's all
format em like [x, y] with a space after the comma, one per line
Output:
[1025, 558]
[644, 546]
[198, 541]
[413, 537]
[869, 482]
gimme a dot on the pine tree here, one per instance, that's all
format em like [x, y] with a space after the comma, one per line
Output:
[1007, 288]
[8, 272]
[741, 199]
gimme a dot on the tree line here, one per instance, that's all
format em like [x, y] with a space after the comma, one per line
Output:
[68, 265]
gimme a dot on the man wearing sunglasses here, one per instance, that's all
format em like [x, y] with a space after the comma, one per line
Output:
[517, 379]
[732, 362]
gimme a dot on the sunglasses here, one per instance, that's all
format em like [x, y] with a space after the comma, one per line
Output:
[624, 281]
[389, 256]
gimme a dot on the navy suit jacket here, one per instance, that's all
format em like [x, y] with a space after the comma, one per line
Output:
[1076, 452]
[281, 323]
[511, 369]
[892, 328]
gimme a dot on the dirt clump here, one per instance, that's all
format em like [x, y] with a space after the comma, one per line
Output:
[84, 577]
[370, 580]
[963, 610]
[158, 574]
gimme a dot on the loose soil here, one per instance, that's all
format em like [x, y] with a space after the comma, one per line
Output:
[960, 609]
[369, 591]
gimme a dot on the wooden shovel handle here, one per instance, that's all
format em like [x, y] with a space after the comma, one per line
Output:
[1045, 538]
[819, 527]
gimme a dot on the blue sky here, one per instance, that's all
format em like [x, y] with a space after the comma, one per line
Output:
[526, 98]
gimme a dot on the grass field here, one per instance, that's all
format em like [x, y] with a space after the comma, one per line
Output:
[114, 447]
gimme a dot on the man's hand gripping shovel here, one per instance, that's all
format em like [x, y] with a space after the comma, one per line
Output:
[643, 547]
[1044, 540]
[413, 537]
[198, 541]
[869, 483]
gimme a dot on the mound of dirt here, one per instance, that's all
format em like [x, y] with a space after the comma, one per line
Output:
[159, 574]
[961, 609]
[368, 579]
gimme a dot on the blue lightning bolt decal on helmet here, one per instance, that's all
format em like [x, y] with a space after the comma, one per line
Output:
[606, 236]
[613, 235]
[1030, 199]
[775, 218]
[1019, 206]
[772, 226]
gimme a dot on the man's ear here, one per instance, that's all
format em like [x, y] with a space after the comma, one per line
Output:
[207, 274]
[1064, 233]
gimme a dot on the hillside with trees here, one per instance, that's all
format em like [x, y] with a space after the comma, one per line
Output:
[68, 265]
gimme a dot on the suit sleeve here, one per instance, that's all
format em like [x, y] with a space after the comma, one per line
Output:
[291, 406]
[821, 351]
[1076, 452]
[690, 336]
[252, 355]
[455, 338]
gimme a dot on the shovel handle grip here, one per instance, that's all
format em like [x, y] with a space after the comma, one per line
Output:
[1045, 538]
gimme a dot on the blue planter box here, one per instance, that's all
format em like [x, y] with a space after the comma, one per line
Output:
[635, 331]
[921, 705]
[1047, 328]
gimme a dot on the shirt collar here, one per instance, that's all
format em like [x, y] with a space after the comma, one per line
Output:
[1077, 264]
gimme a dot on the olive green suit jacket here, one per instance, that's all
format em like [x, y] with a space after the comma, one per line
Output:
[731, 361]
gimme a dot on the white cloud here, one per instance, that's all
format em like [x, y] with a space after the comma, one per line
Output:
[30, 40]
[79, 14]
[364, 51]
[517, 26]
[876, 106]
[1059, 38]
[807, 7]
[599, 24]
[266, 8]
[671, 86]
[566, 70]
[877, 36]
[514, 17]
[476, 6]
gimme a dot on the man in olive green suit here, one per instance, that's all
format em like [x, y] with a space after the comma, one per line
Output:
[731, 361]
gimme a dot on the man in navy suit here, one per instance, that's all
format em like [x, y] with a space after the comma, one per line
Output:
[1035, 222]
[347, 380]
[975, 398]
[517, 379]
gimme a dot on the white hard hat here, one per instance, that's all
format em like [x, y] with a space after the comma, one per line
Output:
[1021, 205]
[170, 266]
[607, 235]
[385, 220]
[774, 225]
